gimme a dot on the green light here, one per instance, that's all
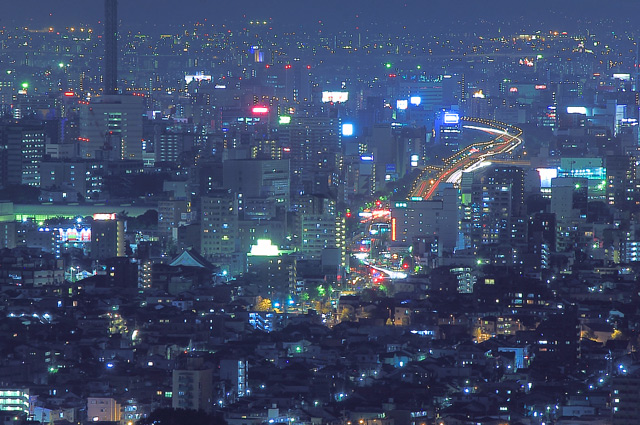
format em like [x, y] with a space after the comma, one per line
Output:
[479, 262]
[25, 85]
[61, 65]
[388, 65]
[577, 186]
[284, 120]
[419, 67]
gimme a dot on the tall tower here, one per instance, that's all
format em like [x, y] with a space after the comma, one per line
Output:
[111, 46]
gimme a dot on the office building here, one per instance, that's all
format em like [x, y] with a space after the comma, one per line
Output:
[107, 237]
[21, 151]
[411, 220]
[81, 180]
[498, 208]
[621, 180]
[264, 179]
[172, 214]
[219, 222]
[315, 146]
[111, 128]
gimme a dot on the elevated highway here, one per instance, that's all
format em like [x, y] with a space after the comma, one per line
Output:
[504, 139]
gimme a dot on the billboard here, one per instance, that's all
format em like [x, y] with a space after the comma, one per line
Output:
[74, 235]
[576, 110]
[104, 216]
[197, 77]
[451, 118]
[260, 110]
[335, 96]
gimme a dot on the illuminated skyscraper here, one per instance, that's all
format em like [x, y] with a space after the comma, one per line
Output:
[111, 46]
[497, 202]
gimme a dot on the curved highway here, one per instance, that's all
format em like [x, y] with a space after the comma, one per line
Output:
[477, 155]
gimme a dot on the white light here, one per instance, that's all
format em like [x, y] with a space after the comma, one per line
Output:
[334, 96]
[402, 104]
[347, 129]
[451, 118]
[415, 100]
[576, 110]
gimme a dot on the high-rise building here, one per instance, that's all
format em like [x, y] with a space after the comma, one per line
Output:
[266, 179]
[621, 180]
[111, 46]
[171, 214]
[318, 227]
[111, 128]
[541, 234]
[21, 151]
[569, 200]
[219, 221]
[498, 207]
[315, 145]
[107, 237]
[192, 389]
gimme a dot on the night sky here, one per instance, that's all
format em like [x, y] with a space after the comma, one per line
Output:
[132, 12]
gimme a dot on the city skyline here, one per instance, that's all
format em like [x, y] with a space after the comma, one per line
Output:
[320, 213]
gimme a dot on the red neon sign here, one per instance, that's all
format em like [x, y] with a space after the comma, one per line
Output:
[260, 110]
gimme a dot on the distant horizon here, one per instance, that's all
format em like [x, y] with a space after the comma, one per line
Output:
[163, 12]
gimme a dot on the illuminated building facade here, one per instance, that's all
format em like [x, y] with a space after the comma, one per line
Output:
[622, 180]
[448, 130]
[15, 400]
[315, 145]
[107, 237]
[83, 178]
[219, 221]
[498, 206]
[22, 147]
